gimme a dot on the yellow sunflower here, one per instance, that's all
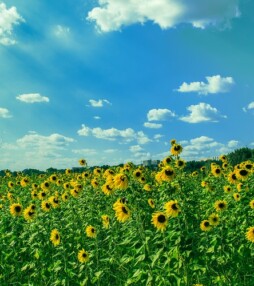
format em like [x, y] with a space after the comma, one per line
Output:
[214, 219]
[250, 234]
[172, 208]
[45, 206]
[251, 204]
[151, 203]
[122, 212]
[28, 214]
[105, 221]
[55, 237]
[159, 220]
[176, 149]
[82, 162]
[16, 209]
[205, 225]
[121, 181]
[237, 196]
[91, 231]
[220, 205]
[83, 256]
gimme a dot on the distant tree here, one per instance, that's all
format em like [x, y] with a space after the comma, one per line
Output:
[240, 155]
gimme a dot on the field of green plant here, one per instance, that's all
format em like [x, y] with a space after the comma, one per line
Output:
[129, 225]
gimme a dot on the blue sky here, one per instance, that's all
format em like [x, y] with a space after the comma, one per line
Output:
[114, 81]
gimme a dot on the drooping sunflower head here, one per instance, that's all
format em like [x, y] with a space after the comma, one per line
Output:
[151, 203]
[168, 173]
[180, 163]
[220, 205]
[105, 221]
[121, 181]
[167, 160]
[159, 220]
[45, 206]
[29, 214]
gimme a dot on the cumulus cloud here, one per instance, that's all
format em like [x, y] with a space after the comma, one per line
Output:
[205, 147]
[112, 15]
[202, 112]
[135, 148]
[98, 103]
[215, 84]
[85, 151]
[159, 114]
[8, 19]
[32, 98]
[5, 113]
[97, 117]
[112, 134]
[249, 106]
[152, 125]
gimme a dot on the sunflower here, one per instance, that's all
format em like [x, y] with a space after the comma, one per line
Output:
[97, 171]
[180, 164]
[55, 237]
[159, 220]
[122, 212]
[242, 174]
[137, 174]
[10, 184]
[216, 171]
[45, 206]
[34, 194]
[82, 162]
[24, 182]
[166, 161]
[90, 231]
[74, 192]
[16, 209]
[227, 189]
[108, 188]
[251, 204]
[42, 195]
[194, 174]
[45, 185]
[205, 225]
[239, 187]
[203, 168]
[54, 201]
[250, 234]
[173, 142]
[214, 219]
[168, 173]
[237, 197]
[105, 221]
[151, 203]
[121, 181]
[176, 149]
[232, 178]
[65, 196]
[223, 158]
[83, 256]
[28, 214]
[66, 186]
[53, 178]
[67, 171]
[147, 187]
[94, 183]
[220, 205]
[172, 208]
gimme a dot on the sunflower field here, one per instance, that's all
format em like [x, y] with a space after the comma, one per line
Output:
[129, 225]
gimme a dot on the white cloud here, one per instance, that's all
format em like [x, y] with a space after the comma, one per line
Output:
[112, 134]
[135, 148]
[204, 147]
[8, 18]
[98, 103]
[152, 125]
[202, 112]
[110, 151]
[4, 113]
[32, 98]
[249, 106]
[97, 117]
[85, 152]
[215, 84]
[159, 114]
[112, 15]
[61, 31]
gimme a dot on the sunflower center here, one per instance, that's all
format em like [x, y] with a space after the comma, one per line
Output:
[92, 230]
[84, 255]
[174, 207]
[221, 205]
[17, 209]
[124, 210]
[56, 236]
[177, 148]
[161, 218]
[206, 224]
[243, 172]
[47, 205]
[138, 174]
[169, 172]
